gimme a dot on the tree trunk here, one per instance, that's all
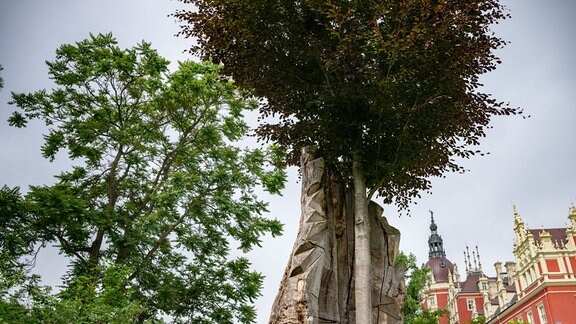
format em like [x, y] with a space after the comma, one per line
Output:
[318, 283]
[362, 259]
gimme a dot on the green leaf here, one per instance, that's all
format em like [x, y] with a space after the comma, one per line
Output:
[158, 196]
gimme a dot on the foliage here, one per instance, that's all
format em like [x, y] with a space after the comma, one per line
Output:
[430, 316]
[417, 277]
[416, 280]
[1, 80]
[395, 82]
[28, 302]
[478, 320]
[158, 196]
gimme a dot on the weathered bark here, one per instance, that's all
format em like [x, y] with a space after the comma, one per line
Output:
[318, 283]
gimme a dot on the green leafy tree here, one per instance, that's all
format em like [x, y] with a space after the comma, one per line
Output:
[428, 316]
[417, 277]
[388, 91]
[16, 242]
[158, 195]
[478, 320]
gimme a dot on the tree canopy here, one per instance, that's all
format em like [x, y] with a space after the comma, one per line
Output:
[158, 197]
[396, 81]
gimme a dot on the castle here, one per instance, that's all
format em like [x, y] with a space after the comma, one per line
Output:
[539, 287]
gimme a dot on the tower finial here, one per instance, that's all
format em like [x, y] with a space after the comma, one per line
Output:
[519, 226]
[433, 226]
[479, 263]
[468, 256]
[572, 216]
[517, 218]
[435, 244]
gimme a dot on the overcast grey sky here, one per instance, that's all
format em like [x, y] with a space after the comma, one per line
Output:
[531, 162]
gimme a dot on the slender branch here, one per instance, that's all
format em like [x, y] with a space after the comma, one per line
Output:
[32, 263]
[111, 179]
[161, 239]
[433, 99]
[163, 172]
[69, 249]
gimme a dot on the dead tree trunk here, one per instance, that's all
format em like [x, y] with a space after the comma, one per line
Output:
[318, 283]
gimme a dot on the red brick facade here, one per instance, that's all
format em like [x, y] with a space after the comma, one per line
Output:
[539, 288]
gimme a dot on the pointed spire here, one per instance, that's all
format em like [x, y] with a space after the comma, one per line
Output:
[433, 226]
[467, 256]
[517, 219]
[479, 263]
[435, 244]
[519, 226]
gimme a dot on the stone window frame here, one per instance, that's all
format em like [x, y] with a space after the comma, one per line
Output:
[542, 314]
[470, 303]
[530, 317]
[432, 301]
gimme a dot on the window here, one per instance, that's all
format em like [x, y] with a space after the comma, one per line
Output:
[470, 303]
[530, 317]
[520, 319]
[542, 314]
[484, 286]
[431, 301]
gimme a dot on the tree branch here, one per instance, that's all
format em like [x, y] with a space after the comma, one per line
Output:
[161, 239]
[71, 250]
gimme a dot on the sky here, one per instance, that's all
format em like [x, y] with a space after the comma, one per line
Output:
[530, 165]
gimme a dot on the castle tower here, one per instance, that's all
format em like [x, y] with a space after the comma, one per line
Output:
[435, 244]
[441, 273]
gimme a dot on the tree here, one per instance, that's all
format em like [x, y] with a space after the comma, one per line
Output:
[417, 277]
[478, 320]
[387, 90]
[159, 193]
[430, 316]
[416, 281]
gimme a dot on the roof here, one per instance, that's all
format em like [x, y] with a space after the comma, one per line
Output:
[558, 235]
[511, 288]
[471, 283]
[440, 268]
[500, 309]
